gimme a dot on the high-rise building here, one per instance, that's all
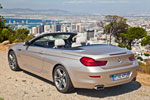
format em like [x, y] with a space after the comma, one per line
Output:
[46, 28]
[90, 34]
[58, 28]
[63, 28]
[82, 29]
[53, 28]
[40, 28]
[78, 28]
[34, 30]
[73, 28]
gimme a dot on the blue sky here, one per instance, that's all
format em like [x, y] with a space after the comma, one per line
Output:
[89, 6]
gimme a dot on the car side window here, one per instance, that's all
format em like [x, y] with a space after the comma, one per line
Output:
[45, 41]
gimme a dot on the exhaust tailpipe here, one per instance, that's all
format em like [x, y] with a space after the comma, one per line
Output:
[99, 87]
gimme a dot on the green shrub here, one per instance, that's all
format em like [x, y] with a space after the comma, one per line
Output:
[29, 37]
[1, 98]
[18, 35]
[21, 34]
[140, 58]
[147, 54]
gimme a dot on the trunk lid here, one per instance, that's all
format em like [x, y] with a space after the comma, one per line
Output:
[116, 57]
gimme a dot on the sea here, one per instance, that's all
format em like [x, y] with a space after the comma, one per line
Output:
[14, 22]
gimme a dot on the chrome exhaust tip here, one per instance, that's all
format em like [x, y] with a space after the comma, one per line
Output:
[99, 87]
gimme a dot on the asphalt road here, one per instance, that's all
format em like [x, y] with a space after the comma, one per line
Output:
[26, 86]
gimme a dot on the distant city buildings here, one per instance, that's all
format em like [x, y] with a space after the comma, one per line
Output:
[85, 26]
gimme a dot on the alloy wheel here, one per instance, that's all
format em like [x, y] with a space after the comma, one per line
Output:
[60, 79]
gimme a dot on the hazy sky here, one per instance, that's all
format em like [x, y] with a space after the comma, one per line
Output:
[89, 6]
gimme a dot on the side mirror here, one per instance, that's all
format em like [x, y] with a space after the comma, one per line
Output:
[27, 43]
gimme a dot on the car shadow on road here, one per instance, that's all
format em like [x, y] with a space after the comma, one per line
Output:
[107, 92]
[111, 91]
[38, 77]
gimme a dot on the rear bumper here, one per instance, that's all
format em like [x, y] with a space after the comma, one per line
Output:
[82, 79]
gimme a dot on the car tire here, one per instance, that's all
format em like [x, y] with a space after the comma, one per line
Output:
[62, 80]
[13, 63]
[134, 79]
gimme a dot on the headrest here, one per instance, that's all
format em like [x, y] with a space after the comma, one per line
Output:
[59, 42]
[81, 39]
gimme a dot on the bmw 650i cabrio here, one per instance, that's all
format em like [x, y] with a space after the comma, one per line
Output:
[70, 62]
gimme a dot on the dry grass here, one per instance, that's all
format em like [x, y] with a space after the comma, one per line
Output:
[144, 68]
[1, 98]
[5, 47]
[143, 78]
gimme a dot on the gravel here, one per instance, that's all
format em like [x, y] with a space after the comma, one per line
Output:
[26, 86]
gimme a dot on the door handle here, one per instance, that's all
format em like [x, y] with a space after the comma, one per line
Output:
[19, 49]
[40, 52]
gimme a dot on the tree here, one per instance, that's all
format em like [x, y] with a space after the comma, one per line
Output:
[117, 25]
[146, 40]
[2, 26]
[102, 24]
[1, 6]
[133, 33]
[2, 23]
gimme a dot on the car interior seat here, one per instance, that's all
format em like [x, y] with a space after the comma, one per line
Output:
[80, 41]
[59, 43]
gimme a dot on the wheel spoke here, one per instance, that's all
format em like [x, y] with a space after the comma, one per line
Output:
[64, 83]
[64, 75]
[12, 61]
[57, 79]
[12, 65]
[11, 57]
[59, 72]
[60, 85]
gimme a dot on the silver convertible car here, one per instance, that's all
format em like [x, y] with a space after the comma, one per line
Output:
[69, 62]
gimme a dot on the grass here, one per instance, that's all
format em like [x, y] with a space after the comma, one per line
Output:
[1, 98]
[144, 68]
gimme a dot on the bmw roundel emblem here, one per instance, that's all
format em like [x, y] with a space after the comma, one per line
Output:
[119, 59]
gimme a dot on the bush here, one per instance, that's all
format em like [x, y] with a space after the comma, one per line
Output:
[21, 34]
[140, 58]
[147, 54]
[144, 68]
[29, 37]
[1, 98]
[18, 35]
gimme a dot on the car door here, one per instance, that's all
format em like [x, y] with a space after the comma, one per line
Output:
[32, 59]
[32, 55]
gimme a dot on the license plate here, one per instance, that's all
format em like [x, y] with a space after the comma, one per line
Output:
[121, 76]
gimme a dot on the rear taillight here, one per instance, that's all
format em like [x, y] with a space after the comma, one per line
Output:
[91, 62]
[132, 58]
